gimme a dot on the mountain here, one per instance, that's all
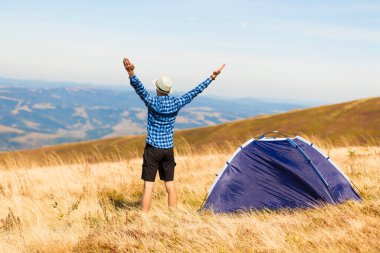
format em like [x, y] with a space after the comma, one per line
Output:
[33, 116]
[356, 122]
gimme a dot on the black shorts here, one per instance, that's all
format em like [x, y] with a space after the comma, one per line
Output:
[158, 159]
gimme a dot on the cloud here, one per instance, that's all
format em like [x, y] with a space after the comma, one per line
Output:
[361, 7]
[243, 24]
[329, 31]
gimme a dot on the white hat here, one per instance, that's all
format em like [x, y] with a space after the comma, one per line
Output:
[163, 84]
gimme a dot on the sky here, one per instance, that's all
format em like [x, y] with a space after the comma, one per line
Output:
[305, 50]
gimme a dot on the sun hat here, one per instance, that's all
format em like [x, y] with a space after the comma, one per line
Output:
[163, 84]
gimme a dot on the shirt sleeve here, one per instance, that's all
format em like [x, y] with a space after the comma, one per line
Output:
[141, 91]
[185, 99]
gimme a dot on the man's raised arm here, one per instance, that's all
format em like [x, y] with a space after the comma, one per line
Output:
[185, 99]
[136, 83]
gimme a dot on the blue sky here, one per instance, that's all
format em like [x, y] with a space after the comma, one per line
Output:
[312, 50]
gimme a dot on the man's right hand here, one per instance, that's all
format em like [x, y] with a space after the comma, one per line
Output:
[129, 67]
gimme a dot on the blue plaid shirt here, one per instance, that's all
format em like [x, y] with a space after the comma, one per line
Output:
[162, 112]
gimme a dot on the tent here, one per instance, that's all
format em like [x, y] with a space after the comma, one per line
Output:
[272, 173]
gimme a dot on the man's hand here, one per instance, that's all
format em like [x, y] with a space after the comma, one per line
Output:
[129, 67]
[217, 72]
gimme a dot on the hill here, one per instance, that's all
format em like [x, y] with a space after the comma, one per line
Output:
[356, 122]
[94, 207]
[33, 116]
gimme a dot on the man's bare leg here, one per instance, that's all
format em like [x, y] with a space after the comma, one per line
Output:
[146, 198]
[172, 194]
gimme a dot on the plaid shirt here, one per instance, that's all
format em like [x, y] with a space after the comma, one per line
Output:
[162, 112]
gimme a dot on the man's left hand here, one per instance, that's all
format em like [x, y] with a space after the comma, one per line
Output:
[217, 72]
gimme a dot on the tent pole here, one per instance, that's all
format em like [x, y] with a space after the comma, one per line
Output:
[313, 166]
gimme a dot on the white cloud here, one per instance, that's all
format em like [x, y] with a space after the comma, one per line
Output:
[360, 7]
[329, 31]
[243, 24]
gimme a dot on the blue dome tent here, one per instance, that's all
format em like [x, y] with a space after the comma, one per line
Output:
[272, 173]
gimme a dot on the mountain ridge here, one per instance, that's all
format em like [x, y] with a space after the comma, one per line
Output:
[354, 122]
[34, 117]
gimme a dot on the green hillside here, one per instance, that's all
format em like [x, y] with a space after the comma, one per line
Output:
[356, 122]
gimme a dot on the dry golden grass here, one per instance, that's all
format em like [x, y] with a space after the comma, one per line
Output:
[94, 208]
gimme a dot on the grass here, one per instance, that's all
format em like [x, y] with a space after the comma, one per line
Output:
[94, 207]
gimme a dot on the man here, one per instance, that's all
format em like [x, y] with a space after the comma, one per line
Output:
[162, 112]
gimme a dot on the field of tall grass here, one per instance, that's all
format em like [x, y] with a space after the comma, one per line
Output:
[94, 207]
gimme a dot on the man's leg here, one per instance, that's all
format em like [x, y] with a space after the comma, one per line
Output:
[146, 198]
[151, 158]
[172, 194]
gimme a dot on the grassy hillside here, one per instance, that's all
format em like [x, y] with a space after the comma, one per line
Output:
[94, 208]
[356, 122]
[78, 204]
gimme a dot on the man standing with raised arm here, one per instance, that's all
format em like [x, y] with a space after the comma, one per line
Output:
[162, 112]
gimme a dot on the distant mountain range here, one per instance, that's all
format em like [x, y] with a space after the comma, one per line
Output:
[32, 116]
[351, 123]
